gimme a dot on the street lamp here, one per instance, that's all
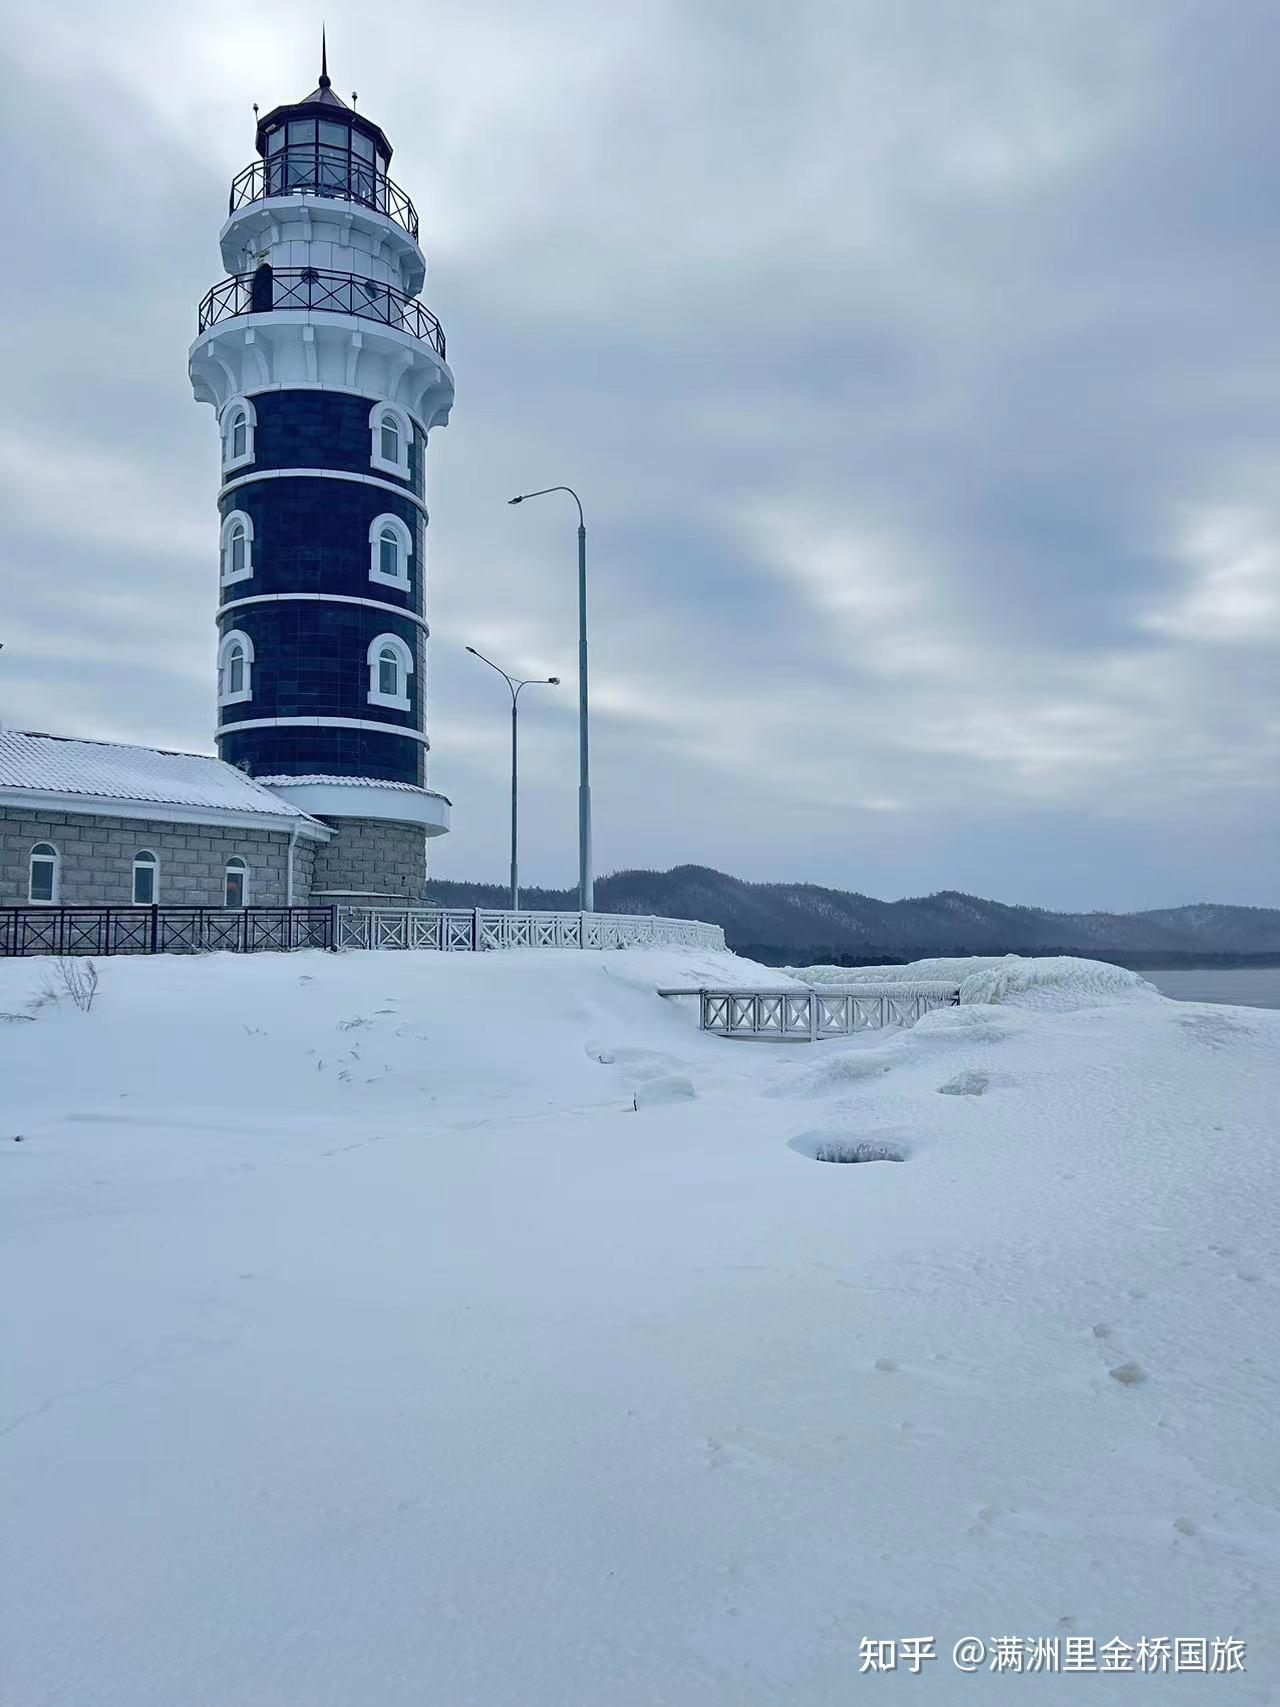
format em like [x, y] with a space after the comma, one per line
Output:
[515, 684]
[586, 884]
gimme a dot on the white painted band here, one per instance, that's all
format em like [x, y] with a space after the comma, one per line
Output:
[326, 598]
[325, 474]
[323, 723]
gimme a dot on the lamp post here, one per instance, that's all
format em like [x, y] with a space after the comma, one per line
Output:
[586, 883]
[515, 684]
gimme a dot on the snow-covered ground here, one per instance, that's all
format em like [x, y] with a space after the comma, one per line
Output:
[366, 1345]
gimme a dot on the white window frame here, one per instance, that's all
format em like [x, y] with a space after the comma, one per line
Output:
[225, 696]
[53, 858]
[404, 538]
[404, 657]
[245, 520]
[377, 415]
[147, 860]
[241, 866]
[226, 422]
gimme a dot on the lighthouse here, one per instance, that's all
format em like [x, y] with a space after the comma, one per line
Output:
[327, 373]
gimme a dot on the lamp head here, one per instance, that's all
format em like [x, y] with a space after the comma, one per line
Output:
[553, 681]
[519, 500]
[473, 651]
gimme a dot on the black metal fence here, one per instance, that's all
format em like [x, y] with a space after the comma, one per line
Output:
[163, 930]
[332, 174]
[315, 287]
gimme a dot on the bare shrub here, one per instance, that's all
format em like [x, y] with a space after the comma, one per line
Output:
[77, 979]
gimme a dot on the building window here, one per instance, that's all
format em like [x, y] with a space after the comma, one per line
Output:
[235, 668]
[145, 873]
[390, 547]
[237, 547]
[392, 434]
[390, 666]
[236, 887]
[42, 883]
[239, 420]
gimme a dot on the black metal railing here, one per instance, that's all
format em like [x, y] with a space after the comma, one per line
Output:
[163, 930]
[329, 172]
[313, 287]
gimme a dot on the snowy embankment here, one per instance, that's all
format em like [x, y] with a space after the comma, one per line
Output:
[368, 1343]
[1052, 981]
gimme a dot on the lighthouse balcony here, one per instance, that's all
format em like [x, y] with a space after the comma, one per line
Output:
[331, 174]
[314, 289]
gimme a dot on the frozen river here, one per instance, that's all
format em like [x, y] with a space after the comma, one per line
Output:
[1247, 986]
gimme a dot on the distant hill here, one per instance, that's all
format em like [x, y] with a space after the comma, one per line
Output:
[781, 922]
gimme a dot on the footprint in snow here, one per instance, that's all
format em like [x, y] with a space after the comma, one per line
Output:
[1128, 1374]
[673, 1087]
[970, 1084]
[721, 1453]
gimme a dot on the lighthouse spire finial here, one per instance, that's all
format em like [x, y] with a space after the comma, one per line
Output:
[324, 60]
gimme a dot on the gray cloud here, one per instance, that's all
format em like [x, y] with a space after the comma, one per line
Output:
[917, 365]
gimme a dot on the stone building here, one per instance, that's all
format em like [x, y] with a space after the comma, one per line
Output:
[327, 373]
[88, 823]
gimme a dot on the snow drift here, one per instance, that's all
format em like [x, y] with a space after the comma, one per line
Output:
[1054, 982]
[384, 1328]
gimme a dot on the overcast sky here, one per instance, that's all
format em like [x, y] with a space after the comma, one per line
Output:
[918, 364]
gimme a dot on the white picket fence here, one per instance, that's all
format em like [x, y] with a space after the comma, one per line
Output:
[478, 929]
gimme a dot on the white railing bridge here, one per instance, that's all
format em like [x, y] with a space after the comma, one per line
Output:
[803, 1015]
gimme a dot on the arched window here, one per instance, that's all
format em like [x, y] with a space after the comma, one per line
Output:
[388, 672]
[236, 887]
[239, 419]
[390, 666]
[237, 547]
[390, 548]
[235, 668]
[42, 882]
[392, 434]
[146, 873]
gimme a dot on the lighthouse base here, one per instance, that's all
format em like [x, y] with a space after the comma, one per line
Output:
[372, 863]
[378, 855]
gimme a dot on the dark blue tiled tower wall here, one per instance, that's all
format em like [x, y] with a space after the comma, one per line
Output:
[311, 535]
[311, 660]
[324, 429]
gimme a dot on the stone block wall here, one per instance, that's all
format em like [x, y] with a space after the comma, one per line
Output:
[97, 856]
[304, 865]
[370, 857]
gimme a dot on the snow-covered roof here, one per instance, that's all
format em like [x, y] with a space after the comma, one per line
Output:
[350, 782]
[103, 776]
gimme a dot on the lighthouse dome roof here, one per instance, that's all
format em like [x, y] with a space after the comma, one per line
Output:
[324, 96]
